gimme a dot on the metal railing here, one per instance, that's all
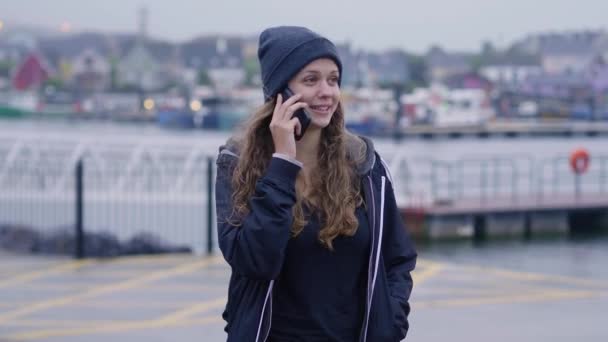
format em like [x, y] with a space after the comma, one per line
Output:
[123, 190]
[165, 189]
[423, 181]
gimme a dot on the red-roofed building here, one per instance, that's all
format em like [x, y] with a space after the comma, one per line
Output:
[31, 73]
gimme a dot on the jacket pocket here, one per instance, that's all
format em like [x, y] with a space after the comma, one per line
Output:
[246, 302]
[382, 327]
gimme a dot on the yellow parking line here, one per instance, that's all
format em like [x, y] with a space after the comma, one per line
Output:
[425, 262]
[516, 298]
[113, 328]
[105, 289]
[145, 259]
[476, 282]
[531, 276]
[130, 304]
[427, 272]
[111, 274]
[156, 288]
[51, 323]
[29, 276]
[180, 315]
[117, 304]
[484, 291]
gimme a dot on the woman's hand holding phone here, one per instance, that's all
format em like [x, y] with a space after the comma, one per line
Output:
[301, 114]
[283, 124]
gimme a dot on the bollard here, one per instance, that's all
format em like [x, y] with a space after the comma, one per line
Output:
[210, 205]
[479, 228]
[79, 236]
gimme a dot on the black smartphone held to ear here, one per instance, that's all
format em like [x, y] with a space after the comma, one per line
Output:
[300, 114]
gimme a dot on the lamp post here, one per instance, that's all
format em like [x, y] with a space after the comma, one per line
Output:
[397, 93]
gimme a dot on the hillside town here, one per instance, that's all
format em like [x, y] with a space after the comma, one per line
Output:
[213, 81]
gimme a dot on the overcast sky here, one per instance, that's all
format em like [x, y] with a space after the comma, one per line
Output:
[373, 24]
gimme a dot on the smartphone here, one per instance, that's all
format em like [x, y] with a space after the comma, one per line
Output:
[301, 114]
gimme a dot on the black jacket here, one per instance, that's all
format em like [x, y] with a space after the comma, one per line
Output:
[256, 249]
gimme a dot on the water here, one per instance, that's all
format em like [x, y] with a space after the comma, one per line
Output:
[583, 257]
[416, 149]
[158, 169]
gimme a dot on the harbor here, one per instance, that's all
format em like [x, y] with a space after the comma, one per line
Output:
[494, 138]
[143, 176]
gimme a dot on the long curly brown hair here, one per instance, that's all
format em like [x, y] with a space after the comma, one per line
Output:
[335, 190]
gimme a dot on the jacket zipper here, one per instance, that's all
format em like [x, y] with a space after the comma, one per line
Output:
[377, 250]
[371, 258]
[266, 300]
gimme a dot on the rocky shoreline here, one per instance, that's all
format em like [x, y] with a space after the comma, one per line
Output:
[62, 241]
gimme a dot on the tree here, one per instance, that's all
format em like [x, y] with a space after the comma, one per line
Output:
[55, 82]
[487, 54]
[114, 73]
[418, 71]
[5, 68]
[487, 49]
[203, 77]
[252, 69]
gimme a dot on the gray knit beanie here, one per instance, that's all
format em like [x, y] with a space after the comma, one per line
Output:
[283, 51]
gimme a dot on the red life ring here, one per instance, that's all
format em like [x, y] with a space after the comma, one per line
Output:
[579, 160]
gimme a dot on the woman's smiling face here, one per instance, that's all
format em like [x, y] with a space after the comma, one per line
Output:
[318, 83]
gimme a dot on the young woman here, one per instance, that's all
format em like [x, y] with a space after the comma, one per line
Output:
[309, 226]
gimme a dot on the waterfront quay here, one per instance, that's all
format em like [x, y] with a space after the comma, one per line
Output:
[514, 289]
[504, 128]
[538, 291]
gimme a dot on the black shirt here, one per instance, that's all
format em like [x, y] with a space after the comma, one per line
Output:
[320, 294]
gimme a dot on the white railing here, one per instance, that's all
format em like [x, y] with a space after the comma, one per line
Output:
[159, 183]
[128, 187]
